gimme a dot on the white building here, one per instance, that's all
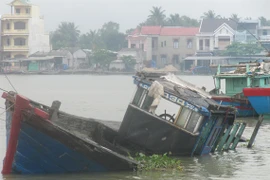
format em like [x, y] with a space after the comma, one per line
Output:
[22, 31]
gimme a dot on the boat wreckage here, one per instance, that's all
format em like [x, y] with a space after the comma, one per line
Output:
[166, 115]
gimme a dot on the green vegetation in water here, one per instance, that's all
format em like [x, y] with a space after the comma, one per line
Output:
[157, 162]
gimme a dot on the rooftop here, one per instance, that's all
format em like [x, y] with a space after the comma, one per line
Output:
[166, 31]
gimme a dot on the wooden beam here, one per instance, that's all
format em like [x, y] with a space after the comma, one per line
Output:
[255, 132]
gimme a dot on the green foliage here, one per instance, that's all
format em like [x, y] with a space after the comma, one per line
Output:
[129, 62]
[157, 162]
[240, 49]
[156, 17]
[210, 14]
[66, 35]
[102, 57]
[264, 21]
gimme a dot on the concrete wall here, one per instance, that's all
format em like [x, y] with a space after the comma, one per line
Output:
[166, 48]
[38, 39]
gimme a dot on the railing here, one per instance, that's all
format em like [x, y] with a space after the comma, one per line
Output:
[16, 16]
[265, 38]
[11, 48]
[15, 31]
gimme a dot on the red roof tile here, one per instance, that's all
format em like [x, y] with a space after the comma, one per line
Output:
[179, 31]
[150, 30]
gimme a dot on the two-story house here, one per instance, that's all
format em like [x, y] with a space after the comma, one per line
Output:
[22, 31]
[215, 34]
[164, 45]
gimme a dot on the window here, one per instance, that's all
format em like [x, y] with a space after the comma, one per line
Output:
[139, 96]
[265, 32]
[164, 59]
[133, 45]
[18, 11]
[201, 44]
[167, 109]
[189, 43]
[142, 47]
[175, 59]
[183, 118]
[8, 42]
[165, 43]
[27, 11]
[19, 42]
[189, 120]
[8, 26]
[175, 43]
[161, 44]
[19, 25]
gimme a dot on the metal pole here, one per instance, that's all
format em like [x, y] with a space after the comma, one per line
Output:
[255, 131]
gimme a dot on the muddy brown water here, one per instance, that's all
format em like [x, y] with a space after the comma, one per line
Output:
[106, 97]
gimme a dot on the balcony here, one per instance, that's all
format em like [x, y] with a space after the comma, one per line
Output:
[15, 48]
[265, 38]
[8, 32]
[15, 16]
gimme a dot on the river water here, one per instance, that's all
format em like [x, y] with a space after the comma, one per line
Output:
[107, 97]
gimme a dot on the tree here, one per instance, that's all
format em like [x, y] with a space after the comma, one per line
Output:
[240, 49]
[189, 22]
[210, 14]
[111, 37]
[235, 17]
[66, 35]
[103, 57]
[157, 16]
[129, 62]
[264, 21]
[174, 20]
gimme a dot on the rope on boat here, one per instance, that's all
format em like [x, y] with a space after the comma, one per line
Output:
[6, 110]
[4, 90]
[10, 83]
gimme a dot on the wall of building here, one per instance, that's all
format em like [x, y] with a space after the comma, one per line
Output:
[167, 48]
[38, 39]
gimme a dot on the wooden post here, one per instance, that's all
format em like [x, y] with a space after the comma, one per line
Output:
[257, 127]
[53, 115]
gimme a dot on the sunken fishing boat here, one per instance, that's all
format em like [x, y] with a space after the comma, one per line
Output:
[168, 114]
[229, 85]
[43, 140]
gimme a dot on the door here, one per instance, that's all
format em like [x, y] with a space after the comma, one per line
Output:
[213, 136]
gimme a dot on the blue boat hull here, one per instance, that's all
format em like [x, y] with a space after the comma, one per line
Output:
[45, 148]
[260, 103]
[259, 98]
[38, 153]
[243, 109]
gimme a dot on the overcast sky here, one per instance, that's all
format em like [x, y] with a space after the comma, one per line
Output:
[91, 14]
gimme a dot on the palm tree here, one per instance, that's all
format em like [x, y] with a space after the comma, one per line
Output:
[175, 20]
[210, 15]
[235, 17]
[66, 35]
[157, 16]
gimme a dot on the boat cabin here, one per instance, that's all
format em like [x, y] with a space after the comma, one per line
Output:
[171, 115]
[232, 83]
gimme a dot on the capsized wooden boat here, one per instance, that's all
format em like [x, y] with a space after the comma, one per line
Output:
[41, 139]
[168, 114]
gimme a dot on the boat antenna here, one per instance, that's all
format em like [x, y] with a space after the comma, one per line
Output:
[239, 24]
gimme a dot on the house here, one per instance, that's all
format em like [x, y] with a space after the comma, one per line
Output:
[164, 45]
[117, 65]
[22, 31]
[215, 34]
[247, 31]
[264, 36]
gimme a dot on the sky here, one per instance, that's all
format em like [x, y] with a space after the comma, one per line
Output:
[92, 14]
